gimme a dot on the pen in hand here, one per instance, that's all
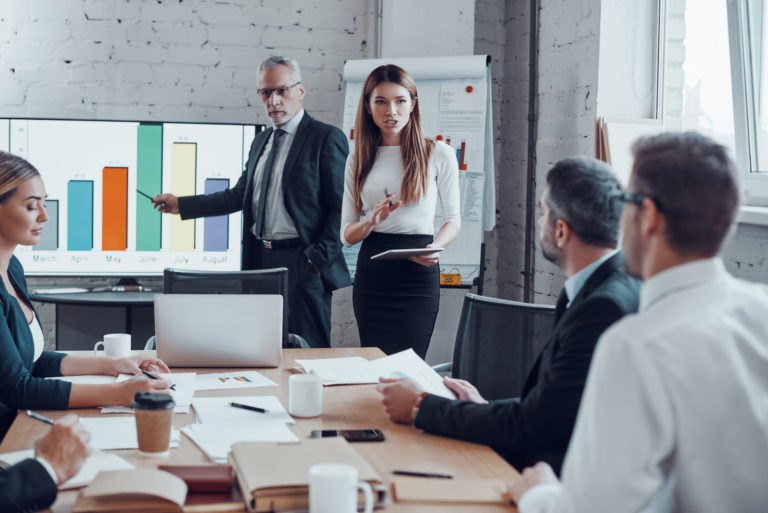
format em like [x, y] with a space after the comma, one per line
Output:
[386, 193]
[154, 376]
[248, 407]
[41, 418]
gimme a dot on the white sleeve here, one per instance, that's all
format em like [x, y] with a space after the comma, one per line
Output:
[623, 436]
[349, 213]
[48, 468]
[448, 183]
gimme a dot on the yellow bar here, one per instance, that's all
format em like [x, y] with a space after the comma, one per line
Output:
[183, 178]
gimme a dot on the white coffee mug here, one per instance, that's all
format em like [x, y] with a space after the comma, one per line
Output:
[305, 395]
[116, 345]
[333, 489]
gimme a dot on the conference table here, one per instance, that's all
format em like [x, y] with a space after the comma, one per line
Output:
[344, 407]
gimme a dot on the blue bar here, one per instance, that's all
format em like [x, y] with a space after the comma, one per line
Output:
[80, 215]
[216, 229]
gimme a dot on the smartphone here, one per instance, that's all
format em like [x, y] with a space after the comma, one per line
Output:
[351, 435]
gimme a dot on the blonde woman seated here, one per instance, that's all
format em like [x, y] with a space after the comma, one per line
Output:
[24, 364]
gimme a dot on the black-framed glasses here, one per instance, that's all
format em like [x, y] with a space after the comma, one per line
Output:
[281, 91]
[635, 197]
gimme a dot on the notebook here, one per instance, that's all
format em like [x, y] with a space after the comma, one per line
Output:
[219, 330]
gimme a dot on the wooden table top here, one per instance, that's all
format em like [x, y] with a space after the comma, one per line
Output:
[344, 407]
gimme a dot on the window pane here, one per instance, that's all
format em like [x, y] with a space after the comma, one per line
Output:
[697, 73]
[759, 62]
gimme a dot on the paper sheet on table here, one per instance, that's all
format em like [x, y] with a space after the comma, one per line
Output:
[117, 433]
[226, 380]
[410, 365]
[216, 410]
[94, 464]
[216, 439]
[185, 388]
[338, 371]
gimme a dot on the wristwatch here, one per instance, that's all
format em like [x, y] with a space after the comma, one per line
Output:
[417, 405]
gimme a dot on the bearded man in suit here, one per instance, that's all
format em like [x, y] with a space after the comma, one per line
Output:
[290, 193]
[579, 231]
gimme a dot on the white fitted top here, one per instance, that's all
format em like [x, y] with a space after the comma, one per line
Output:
[387, 173]
[37, 338]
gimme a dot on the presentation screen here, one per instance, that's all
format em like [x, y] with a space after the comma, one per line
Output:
[100, 176]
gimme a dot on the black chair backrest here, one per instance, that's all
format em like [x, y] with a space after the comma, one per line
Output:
[497, 342]
[262, 281]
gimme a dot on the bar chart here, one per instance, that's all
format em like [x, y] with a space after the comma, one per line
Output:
[100, 177]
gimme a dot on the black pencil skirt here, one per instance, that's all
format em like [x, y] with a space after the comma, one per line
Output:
[395, 301]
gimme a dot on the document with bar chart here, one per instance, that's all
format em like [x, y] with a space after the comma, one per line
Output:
[100, 177]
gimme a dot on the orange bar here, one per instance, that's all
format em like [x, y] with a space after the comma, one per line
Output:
[114, 209]
[463, 156]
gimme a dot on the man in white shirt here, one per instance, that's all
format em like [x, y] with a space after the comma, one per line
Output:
[30, 485]
[674, 415]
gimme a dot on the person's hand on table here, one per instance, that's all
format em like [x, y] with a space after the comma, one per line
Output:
[139, 383]
[464, 390]
[399, 395]
[65, 447]
[427, 260]
[541, 473]
[135, 364]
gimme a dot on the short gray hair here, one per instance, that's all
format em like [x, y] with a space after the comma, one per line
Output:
[273, 60]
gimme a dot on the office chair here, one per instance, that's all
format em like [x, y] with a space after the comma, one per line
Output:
[262, 281]
[497, 342]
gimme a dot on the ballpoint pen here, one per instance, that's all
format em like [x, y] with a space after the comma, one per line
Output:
[153, 376]
[421, 474]
[41, 418]
[386, 193]
[248, 407]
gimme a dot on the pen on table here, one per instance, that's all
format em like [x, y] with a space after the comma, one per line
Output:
[248, 407]
[421, 474]
[153, 376]
[41, 418]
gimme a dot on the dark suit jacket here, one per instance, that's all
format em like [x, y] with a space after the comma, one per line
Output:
[313, 186]
[538, 425]
[21, 383]
[26, 486]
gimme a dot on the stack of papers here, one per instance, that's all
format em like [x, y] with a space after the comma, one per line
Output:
[95, 463]
[221, 425]
[117, 433]
[356, 370]
[184, 385]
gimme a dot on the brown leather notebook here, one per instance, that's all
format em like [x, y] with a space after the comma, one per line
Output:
[203, 478]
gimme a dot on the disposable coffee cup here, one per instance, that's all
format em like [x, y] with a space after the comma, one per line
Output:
[154, 418]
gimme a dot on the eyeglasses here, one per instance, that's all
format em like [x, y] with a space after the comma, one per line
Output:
[281, 91]
[635, 197]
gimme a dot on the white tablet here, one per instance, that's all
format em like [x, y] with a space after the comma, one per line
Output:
[401, 254]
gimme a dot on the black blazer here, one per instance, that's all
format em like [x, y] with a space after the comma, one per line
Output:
[21, 382]
[313, 186]
[26, 486]
[538, 425]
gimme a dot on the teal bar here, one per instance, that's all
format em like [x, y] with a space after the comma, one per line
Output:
[149, 182]
[80, 215]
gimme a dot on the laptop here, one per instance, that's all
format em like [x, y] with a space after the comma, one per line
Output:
[219, 330]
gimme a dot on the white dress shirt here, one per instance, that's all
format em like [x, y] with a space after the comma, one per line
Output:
[278, 224]
[674, 415]
[387, 174]
[574, 284]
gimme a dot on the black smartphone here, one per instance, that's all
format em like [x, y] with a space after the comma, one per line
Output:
[351, 435]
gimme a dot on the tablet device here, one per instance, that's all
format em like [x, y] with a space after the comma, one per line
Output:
[402, 254]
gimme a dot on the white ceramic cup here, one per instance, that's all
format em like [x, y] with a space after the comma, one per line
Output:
[333, 489]
[116, 345]
[305, 395]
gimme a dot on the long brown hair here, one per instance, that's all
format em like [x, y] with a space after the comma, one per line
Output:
[415, 147]
[14, 171]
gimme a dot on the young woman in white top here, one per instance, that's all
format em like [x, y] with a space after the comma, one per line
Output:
[24, 364]
[392, 183]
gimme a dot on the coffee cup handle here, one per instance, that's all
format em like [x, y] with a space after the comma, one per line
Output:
[96, 347]
[368, 492]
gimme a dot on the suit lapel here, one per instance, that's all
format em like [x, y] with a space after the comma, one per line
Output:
[253, 159]
[600, 274]
[299, 138]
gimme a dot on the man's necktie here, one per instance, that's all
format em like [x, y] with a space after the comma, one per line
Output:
[266, 174]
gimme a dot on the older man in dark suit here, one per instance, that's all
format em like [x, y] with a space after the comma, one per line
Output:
[30, 485]
[290, 194]
[579, 226]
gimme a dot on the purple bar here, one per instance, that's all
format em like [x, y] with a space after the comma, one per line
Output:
[216, 229]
